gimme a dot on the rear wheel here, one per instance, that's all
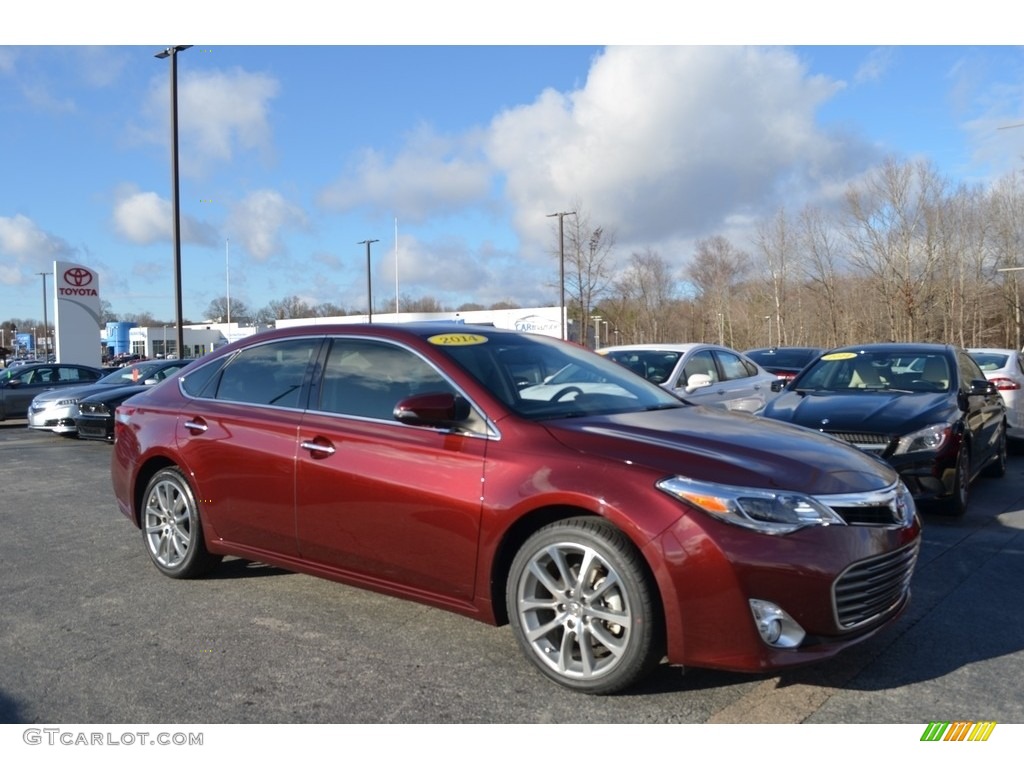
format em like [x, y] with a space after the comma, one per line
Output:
[582, 606]
[171, 528]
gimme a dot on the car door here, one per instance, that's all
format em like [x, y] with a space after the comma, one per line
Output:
[20, 387]
[983, 413]
[699, 361]
[238, 439]
[743, 387]
[387, 501]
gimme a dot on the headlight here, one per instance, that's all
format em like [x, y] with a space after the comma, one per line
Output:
[931, 438]
[68, 401]
[775, 512]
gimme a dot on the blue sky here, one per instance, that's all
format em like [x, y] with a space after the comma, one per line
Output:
[290, 154]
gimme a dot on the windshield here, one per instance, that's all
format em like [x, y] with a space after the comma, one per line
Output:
[542, 378]
[873, 371]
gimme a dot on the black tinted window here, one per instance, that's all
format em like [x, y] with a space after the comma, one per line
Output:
[268, 374]
[368, 378]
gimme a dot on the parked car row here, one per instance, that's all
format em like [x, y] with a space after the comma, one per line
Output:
[928, 410]
[583, 499]
[52, 394]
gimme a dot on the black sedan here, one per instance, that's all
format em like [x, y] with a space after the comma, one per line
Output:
[927, 409]
[95, 418]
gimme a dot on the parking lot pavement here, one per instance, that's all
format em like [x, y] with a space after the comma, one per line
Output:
[90, 632]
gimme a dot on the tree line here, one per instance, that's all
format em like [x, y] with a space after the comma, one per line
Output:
[903, 255]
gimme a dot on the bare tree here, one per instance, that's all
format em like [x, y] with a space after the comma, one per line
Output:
[218, 309]
[588, 251]
[889, 226]
[716, 272]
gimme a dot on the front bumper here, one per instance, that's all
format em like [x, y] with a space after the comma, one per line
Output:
[823, 577]
[61, 421]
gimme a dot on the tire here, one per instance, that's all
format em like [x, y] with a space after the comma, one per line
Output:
[957, 504]
[997, 467]
[582, 606]
[171, 529]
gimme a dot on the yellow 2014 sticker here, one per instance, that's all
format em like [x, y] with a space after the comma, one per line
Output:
[839, 356]
[457, 339]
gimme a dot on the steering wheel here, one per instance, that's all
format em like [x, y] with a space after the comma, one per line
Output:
[565, 391]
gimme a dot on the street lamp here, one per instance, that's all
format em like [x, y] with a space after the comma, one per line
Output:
[369, 283]
[597, 330]
[561, 262]
[172, 53]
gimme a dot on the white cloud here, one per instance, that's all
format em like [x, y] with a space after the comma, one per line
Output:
[30, 248]
[258, 221]
[144, 218]
[665, 143]
[433, 175]
[219, 115]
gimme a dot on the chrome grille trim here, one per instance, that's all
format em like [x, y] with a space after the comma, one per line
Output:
[881, 507]
[871, 588]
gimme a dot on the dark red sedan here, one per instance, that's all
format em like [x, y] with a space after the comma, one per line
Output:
[610, 524]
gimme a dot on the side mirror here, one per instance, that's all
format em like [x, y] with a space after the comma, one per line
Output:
[778, 385]
[433, 409]
[983, 387]
[697, 381]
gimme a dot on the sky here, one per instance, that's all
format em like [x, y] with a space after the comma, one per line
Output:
[297, 145]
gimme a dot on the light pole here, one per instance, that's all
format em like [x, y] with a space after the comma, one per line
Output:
[561, 262]
[172, 53]
[369, 282]
[227, 277]
[597, 330]
[46, 329]
[768, 322]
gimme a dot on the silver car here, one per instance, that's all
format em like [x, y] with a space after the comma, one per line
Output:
[706, 374]
[1005, 369]
[56, 410]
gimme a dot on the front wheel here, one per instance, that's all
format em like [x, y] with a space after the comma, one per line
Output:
[957, 504]
[171, 529]
[582, 606]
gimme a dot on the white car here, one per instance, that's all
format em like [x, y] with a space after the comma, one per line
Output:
[706, 374]
[1005, 369]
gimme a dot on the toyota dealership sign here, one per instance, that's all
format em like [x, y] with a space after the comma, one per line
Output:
[77, 325]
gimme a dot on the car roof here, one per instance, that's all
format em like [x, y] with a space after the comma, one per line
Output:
[897, 348]
[660, 347]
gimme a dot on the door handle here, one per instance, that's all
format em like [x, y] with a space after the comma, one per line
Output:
[314, 447]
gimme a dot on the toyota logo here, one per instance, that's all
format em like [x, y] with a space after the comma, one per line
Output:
[78, 277]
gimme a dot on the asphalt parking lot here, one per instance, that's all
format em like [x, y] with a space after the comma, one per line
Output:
[90, 632]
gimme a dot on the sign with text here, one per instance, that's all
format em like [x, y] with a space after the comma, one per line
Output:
[77, 299]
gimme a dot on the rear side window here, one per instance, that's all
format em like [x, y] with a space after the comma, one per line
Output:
[268, 374]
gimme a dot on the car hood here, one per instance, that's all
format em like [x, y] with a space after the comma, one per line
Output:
[884, 412]
[726, 447]
[117, 395]
[64, 392]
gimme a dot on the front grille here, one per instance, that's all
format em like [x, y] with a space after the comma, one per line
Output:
[871, 588]
[866, 441]
[870, 514]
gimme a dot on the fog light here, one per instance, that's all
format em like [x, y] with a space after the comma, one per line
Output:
[775, 626]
